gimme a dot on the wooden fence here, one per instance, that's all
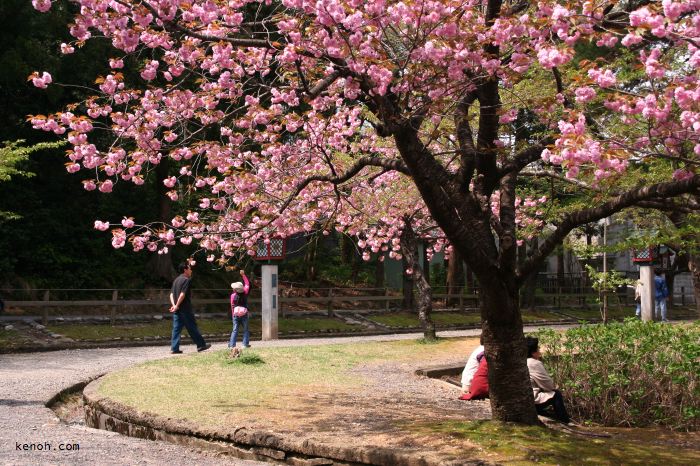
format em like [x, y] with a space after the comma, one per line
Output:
[53, 303]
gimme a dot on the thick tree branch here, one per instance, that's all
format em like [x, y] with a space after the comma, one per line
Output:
[525, 157]
[606, 209]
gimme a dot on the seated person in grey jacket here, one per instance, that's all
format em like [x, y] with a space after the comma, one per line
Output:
[543, 387]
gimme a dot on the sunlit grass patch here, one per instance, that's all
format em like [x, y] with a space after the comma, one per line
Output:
[201, 386]
[514, 444]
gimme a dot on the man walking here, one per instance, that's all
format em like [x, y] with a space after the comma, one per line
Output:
[661, 295]
[181, 308]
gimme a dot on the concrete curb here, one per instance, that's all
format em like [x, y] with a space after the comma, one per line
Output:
[241, 442]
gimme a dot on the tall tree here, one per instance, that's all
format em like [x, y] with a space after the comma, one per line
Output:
[273, 111]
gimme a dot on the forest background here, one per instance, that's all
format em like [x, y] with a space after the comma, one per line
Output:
[47, 239]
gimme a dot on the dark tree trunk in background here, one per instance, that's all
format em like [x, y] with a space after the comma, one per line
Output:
[407, 286]
[409, 249]
[161, 265]
[455, 277]
[561, 269]
[694, 266]
[379, 271]
[310, 258]
[426, 262]
[530, 285]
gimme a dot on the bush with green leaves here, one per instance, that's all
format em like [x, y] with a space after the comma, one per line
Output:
[628, 374]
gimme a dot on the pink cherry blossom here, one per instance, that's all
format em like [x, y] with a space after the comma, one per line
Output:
[102, 226]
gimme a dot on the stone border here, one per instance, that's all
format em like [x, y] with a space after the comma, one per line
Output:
[241, 442]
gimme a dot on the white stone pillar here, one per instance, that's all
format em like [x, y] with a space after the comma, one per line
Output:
[270, 300]
[646, 275]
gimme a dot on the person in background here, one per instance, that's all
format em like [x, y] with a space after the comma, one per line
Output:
[239, 311]
[472, 365]
[661, 296]
[638, 292]
[543, 387]
[181, 309]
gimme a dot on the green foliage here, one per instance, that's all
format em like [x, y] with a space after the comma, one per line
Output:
[247, 359]
[438, 275]
[607, 281]
[628, 374]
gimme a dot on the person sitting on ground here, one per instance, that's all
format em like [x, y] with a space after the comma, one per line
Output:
[543, 387]
[479, 386]
[472, 365]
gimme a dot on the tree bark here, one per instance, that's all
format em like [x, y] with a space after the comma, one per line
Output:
[694, 266]
[409, 249]
[310, 258]
[529, 287]
[161, 265]
[379, 271]
[407, 286]
[510, 392]
[455, 277]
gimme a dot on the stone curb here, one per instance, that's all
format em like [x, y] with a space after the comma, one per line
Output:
[301, 450]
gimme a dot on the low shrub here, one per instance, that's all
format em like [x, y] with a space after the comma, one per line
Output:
[628, 374]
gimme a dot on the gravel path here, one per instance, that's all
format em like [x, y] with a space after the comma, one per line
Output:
[28, 381]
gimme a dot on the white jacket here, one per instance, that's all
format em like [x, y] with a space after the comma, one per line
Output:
[471, 367]
[542, 384]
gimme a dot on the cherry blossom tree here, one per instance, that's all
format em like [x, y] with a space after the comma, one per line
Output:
[270, 110]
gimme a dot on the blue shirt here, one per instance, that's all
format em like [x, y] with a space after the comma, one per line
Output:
[661, 287]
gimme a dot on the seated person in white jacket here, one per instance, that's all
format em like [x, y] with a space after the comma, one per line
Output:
[543, 387]
[472, 365]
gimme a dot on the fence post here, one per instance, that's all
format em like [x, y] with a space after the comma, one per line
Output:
[386, 302]
[330, 302]
[113, 309]
[45, 312]
[280, 308]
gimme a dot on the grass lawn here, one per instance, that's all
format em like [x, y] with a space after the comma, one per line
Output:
[206, 326]
[10, 339]
[444, 319]
[516, 445]
[305, 390]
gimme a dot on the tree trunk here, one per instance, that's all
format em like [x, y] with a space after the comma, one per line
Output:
[409, 249]
[426, 262]
[310, 258]
[510, 391]
[529, 288]
[407, 286]
[379, 271]
[561, 277]
[455, 277]
[694, 266]
[161, 265]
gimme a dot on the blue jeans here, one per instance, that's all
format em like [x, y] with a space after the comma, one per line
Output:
[185, 319]
[660, 307]
[234, 334]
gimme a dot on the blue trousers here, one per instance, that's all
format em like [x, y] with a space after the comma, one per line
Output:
[660, 308]
[237, 321]
[185, 319]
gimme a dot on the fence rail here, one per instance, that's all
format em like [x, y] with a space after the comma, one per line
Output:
[328, 298]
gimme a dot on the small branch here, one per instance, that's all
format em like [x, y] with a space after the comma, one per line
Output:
[389, 165]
